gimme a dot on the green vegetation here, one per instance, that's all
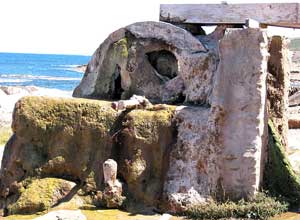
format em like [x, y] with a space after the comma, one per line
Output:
[148, 124]
[295, 44]
[260, 207]
[38, 196]
[121, 47]
[279, 178]
[5, 133]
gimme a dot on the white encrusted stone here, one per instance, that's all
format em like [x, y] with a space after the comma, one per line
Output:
[110, 171]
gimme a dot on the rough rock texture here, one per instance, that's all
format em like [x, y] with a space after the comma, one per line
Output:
[64, 138]
[239, 97]
[193, 173]
[113, 187]
[219, 149]
[146, 139]
[71, 139]
[158, 60]
[39, 195]
[280, 178]
[168, 157]
[278, 85]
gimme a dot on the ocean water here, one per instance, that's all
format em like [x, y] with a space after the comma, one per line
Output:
[41, 70]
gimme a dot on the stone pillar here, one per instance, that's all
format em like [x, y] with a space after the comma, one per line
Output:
[110, 171]
[239, 95]
[278, 85]
[112, 194]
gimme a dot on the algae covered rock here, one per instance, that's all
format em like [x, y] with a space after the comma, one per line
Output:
[40, 195]
[279, 177]
[53, 137]
[147, 137]
[71, 138]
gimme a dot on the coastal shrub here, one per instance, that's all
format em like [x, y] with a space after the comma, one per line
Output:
[5, 133]
[279, 177]
[260, 207]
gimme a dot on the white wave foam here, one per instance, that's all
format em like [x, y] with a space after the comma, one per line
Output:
[32, 77]
[8, 80]
[52, 92]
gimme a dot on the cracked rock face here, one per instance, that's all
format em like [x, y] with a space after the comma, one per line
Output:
[160, 61]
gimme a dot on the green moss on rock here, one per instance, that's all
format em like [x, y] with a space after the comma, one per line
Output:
[279, 177]
[59, 137]
[40, 195]
[121, 47]
[146, 137]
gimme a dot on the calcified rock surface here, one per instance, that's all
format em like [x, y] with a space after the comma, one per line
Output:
[158, 60]
[211, 145]
[278, 84]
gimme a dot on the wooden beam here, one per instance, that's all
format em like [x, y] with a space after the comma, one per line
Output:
[273, 14]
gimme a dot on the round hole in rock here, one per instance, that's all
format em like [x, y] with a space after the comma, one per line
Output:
[164, 62]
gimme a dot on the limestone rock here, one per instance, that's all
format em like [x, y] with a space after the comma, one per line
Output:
[112, 195]
[278, 85]
[145, 141]
[218, 150]
[110, 171]
[148, 59]
[238, 110]
[189, 178]
[134, 102]
[57, 137]
[13, 90]
[71, 139]
[113, 187]
[40, 195]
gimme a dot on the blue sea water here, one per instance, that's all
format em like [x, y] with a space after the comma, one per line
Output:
[41, 70]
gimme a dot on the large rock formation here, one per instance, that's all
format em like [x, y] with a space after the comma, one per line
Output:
[71, 139]
[158, 60]
[212, 146]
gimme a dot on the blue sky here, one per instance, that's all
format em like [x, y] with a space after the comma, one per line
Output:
[76, 26]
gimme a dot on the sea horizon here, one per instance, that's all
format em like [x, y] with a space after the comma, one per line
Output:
[51, 71]
[47, 53]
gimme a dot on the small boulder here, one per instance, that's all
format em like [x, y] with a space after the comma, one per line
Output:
[40, 195]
